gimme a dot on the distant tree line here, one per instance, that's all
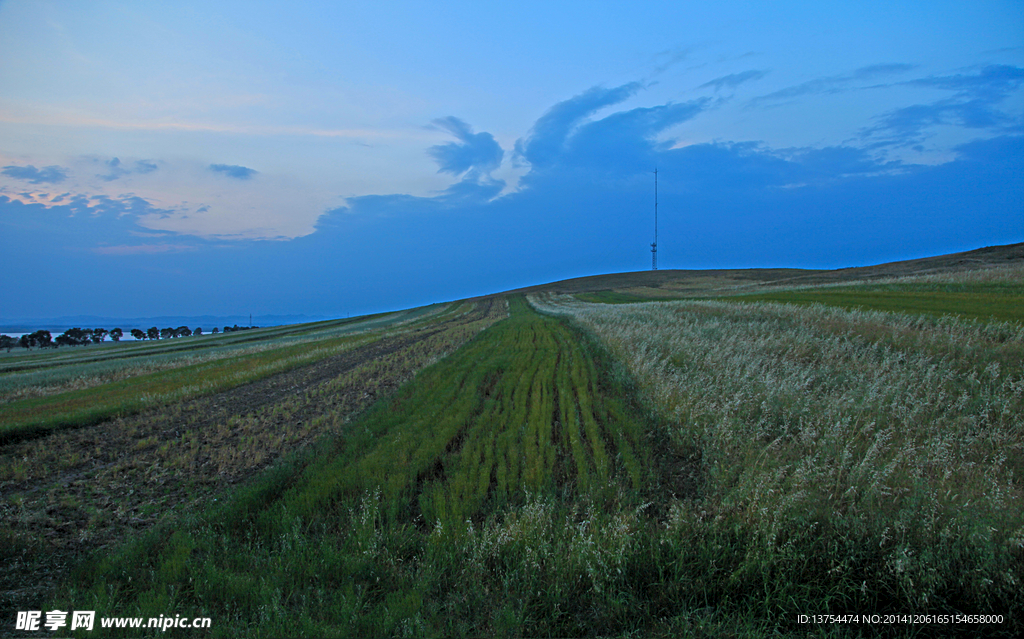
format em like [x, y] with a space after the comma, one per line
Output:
[165, 333]
[85, 336]
[236, 327]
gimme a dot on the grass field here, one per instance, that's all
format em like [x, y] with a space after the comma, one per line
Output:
[83, 386]
[433, 513]
[49, 371]
[996, 294]
[78, 489]
[622, 297]
[976, 304]
[864, 460]
[549, 467]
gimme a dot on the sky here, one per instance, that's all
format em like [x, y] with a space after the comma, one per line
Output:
[326, 159]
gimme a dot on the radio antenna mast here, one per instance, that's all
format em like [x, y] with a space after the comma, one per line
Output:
[654, 244]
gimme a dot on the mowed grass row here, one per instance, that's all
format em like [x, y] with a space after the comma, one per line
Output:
[521, 413]
[495, 493]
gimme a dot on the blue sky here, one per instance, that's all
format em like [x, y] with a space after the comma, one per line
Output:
[329, 158]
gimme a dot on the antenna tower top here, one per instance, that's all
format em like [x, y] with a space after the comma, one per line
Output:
[654, 244]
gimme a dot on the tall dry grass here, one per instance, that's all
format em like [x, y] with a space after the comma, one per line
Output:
[885, 449]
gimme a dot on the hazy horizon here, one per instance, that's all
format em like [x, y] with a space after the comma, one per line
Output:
[193, 159]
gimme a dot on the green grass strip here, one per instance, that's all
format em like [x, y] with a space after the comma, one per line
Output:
[982, 305]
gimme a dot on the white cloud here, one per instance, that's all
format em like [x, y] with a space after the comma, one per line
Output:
[186, 197]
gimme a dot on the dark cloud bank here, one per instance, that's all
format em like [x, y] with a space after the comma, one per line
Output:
[584, 207]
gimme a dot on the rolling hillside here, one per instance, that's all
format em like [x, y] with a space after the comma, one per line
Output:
[666, 453]
[683, 283]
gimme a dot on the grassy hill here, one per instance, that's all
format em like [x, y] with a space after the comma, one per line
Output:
[555, 461]
[672, 284]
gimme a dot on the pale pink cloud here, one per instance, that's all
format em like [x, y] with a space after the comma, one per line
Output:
[143, 249]
[80, 120]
